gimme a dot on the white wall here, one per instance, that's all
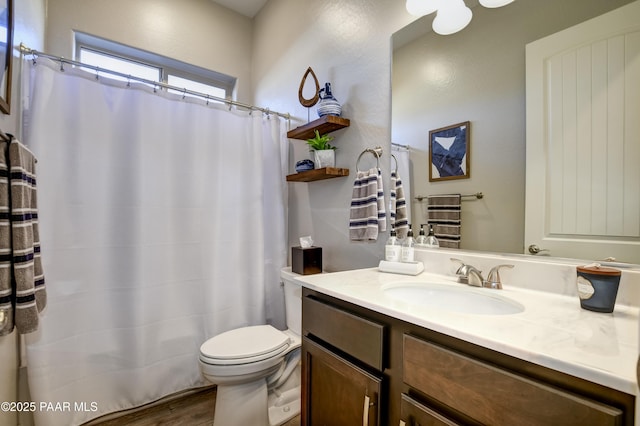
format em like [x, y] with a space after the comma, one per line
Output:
[29, 23]
[478, 75]
[198, 32]
[346, 43]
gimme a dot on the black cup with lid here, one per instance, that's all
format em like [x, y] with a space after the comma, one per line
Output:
[598, 287]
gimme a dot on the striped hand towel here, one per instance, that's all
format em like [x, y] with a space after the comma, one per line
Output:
[21, 251]
[367, 213]
[444, 213]
[6, 288]
[398, 206]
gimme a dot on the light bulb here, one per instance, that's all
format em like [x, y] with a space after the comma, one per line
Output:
[452, 17]
[422, 7]
[495, 3]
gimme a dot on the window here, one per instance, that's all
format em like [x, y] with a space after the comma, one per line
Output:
[121, 65]
[174, 80]
[130, 61]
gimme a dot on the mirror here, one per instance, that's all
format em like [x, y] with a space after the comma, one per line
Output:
[477, 75]
[6, 55]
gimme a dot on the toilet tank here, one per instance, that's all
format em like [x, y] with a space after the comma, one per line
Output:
[292, 300]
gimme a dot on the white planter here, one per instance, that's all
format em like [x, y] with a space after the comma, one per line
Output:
[324, 158]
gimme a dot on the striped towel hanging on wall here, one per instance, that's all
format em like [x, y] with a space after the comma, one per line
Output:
[398, 206]
[22, 289]
[367, 213]
[443, 213]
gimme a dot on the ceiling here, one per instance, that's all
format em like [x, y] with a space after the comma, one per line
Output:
[244, 7]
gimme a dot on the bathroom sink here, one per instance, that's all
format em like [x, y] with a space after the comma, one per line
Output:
[466, 300]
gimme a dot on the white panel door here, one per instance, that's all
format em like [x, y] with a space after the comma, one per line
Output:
[583, 139]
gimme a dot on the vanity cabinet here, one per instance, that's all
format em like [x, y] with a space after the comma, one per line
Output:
[342, 366]
[416, 376]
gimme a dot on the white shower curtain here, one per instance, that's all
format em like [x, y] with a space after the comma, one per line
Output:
[163, 223]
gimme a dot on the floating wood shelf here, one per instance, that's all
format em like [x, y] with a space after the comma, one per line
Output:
[326, 124]
[318, 174]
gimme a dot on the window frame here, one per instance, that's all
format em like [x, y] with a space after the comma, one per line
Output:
[167, 66]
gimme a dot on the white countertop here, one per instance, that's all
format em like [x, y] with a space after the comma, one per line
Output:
[552, 331]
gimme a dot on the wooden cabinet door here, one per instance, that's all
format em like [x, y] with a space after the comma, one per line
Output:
[412, 413]
[336, 392]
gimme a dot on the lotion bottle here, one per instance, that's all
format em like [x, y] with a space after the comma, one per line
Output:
[393, 248]
[422, 239]
[408, 247]
[432, 241]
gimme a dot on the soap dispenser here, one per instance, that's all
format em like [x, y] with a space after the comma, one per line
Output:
[431, 240]
[393, 248]
[408, 247]
[422, 239]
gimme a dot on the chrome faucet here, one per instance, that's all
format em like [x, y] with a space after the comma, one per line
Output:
[470, 275]
[493, 279]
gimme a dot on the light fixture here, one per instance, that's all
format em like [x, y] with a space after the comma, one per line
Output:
[452, 17]
[495, 3]
[422, 7]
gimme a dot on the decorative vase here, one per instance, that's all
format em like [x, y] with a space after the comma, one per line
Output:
[324, 158]
[328, 105]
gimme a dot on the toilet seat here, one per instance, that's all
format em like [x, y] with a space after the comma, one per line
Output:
[244, 345]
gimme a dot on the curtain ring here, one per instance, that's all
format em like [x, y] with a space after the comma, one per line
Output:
[184, 93]
[61, 65]
[207, 100]
[97, 73]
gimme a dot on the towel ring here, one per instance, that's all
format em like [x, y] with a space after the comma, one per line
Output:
[396, 160]
[376, 152]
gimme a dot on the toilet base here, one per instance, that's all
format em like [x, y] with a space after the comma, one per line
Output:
[284, 407]
[253, 404]
[251, 410]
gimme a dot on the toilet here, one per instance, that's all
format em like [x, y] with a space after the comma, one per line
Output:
[257, 368]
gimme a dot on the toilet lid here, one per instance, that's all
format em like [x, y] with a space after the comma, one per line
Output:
[246, 344]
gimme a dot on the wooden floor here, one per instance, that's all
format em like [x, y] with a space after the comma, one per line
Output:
[192, 410]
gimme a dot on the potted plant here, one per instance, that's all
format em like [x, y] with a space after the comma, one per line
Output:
[323, 152]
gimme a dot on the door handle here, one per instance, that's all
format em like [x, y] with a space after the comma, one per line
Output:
[365, 411]
[534, 249]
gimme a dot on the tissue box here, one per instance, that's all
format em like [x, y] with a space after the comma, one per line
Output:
[306, 261]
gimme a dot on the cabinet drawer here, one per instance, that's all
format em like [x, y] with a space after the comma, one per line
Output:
[357, 336]
[412, 413]
[494, 396]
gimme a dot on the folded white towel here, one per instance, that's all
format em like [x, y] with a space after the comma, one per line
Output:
[367, 213]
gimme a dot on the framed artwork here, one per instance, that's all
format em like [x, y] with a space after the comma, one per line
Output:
[449, 152]
[6, 54]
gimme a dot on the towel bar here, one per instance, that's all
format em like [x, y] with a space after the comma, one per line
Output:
[477, 195]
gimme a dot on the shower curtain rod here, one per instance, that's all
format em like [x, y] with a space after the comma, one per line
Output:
[400, 146]
[27, 51]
